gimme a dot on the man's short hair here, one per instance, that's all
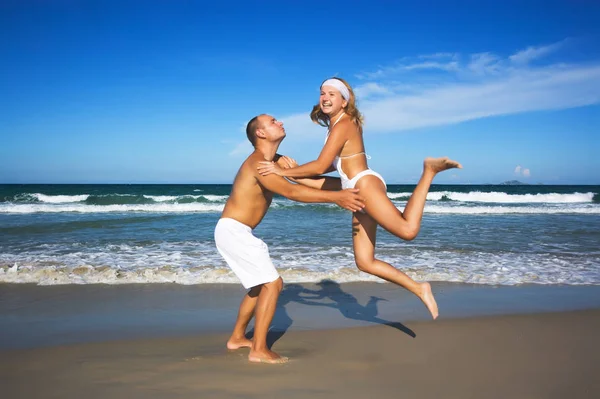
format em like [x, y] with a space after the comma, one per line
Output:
[251, 129]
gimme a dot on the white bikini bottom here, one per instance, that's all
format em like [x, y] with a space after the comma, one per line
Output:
[350, 183]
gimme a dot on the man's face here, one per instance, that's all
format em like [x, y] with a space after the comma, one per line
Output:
[271, 128]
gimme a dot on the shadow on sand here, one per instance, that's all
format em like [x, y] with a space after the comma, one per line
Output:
[329, 295]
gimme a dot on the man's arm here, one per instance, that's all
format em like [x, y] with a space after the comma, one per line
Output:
[319, 182]
[348, 199]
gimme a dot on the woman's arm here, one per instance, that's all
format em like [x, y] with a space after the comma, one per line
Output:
[318, 182]
[334, 145]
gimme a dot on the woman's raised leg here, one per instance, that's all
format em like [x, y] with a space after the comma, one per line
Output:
[405, 225]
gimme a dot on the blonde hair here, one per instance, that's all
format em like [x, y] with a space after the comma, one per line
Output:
[317, 116]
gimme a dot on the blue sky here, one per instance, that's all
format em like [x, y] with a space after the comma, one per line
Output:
[160, 91]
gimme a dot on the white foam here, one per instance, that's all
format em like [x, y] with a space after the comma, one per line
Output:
[216, 198]
[175, 198]
[473, 196]
[87, 274]
[161, 198]
[284, 202]
[217, 206]
[507, 210]
[504, 198]
[199, 263]
[400, 195]
[157, 208]
[60, 199]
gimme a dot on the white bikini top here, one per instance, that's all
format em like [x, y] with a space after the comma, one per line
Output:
[337, 161]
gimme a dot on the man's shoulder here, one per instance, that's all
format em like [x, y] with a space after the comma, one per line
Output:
[251, 163]
[248, 171]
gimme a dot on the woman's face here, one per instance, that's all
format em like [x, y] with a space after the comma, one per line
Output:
[331, 100]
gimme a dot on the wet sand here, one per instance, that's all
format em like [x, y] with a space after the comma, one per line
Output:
[36, 316]
[363, 340]
[545, 355]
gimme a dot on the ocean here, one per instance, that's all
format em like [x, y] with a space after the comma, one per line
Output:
[118, 234]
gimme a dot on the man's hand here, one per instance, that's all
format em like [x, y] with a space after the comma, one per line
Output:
[265, 168]
[350, 200]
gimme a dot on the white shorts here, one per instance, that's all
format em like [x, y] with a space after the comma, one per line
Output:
[245, 254]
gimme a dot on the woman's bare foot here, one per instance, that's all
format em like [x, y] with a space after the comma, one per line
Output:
[266, 356]
[237, 343]
[428, 299]
[437, 165]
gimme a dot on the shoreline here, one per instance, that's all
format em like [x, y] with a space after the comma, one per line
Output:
[43, 316]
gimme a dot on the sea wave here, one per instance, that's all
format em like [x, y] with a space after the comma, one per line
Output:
[82, 208]
[470, 197]
[87, 274]
[199, 263]
[512, 210]
[112, 199]
[50, 199]
[283, 204]
[501, 197]
[439, 202]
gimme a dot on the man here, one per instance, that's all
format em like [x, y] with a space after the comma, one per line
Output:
[247, 255]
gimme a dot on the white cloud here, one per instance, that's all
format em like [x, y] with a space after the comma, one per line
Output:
[242, 148]
[443, 62]
[532, 52]
[438, 56]
[447, 88]
[447, 66]
[302, 127]
[484, 63]
[483, 86]
[298, 127]
[369, 89]
[521, 171]
[543, 89]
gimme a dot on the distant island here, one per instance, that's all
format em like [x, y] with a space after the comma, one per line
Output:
[514, 183]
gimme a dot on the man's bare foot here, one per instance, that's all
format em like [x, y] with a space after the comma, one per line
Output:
[428, 299]
[437, 165]
[237, 343]
[266, 356]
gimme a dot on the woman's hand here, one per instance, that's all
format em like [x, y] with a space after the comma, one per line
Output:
[268, 167]
[286, 162]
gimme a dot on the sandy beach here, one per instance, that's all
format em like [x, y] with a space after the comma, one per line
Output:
[526, 356]
[355, 347]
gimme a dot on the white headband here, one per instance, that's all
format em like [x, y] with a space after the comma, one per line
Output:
[341, 87]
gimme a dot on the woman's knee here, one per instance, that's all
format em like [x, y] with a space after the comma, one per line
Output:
[364, 264]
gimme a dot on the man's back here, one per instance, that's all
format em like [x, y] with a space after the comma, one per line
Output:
[249, 200]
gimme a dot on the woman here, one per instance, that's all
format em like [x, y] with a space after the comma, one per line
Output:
[344, 150]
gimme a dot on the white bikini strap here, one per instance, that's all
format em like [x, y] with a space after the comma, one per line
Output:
[358, 153]
[338, 119]
[331, 127]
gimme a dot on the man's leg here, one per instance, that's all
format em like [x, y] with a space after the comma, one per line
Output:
[238, 337]
[265, 310]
